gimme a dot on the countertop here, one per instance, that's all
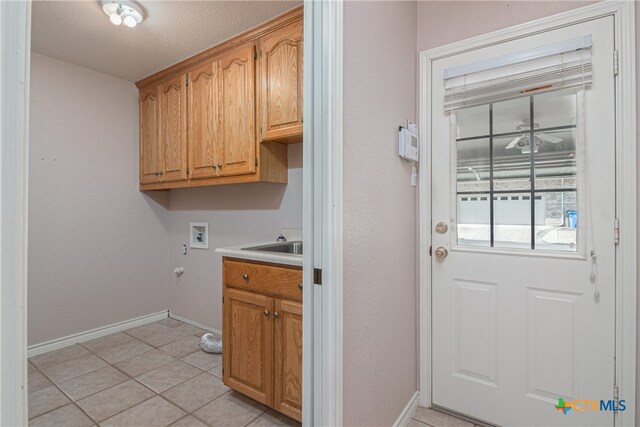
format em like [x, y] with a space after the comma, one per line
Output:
[264, 256]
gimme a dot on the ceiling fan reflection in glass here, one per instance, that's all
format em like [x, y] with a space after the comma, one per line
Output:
[523, 142]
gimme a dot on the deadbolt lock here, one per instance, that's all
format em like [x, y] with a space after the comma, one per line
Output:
[442, 227]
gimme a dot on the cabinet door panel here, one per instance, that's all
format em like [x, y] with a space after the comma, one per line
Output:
[238, 147]
[281, 70]
[150, 152]
[174, 129]
[287, 396]
[204, 121]
[248, 349]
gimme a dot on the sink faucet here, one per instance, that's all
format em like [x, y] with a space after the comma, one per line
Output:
[281, 238]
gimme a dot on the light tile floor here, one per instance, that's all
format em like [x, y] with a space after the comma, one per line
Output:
[152, 375]
[424, 417]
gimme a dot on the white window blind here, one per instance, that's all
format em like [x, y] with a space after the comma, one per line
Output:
[552, 67]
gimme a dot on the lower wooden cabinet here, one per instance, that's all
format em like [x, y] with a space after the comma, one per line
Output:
[287, 382]
[262, 334]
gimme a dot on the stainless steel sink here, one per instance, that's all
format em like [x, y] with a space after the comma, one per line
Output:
[294, 247]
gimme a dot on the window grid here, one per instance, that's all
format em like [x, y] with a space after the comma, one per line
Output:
[532, 193]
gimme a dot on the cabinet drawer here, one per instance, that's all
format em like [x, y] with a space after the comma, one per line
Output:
[270, 279]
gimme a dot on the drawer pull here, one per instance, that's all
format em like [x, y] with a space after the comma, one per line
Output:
[245, 277]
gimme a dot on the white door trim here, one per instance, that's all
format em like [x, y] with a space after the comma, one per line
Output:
[15, 37]
[322, 214]
[626, 177]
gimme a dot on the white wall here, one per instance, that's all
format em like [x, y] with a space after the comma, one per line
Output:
[237, 214]
[98, 248]
[380, 315]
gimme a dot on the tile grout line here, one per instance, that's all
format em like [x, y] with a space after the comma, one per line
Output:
[261, 414]
[74, 402]
[200, 407]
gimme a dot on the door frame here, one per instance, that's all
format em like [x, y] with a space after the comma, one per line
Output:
[322, 214]
[15, 46]
[626, 186]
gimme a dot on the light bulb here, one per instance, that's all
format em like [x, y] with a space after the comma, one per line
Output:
[130, 21]
[115, 19]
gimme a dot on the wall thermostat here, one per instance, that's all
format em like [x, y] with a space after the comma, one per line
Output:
[408, 142]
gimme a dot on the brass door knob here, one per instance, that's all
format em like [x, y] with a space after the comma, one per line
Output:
[441, 252]
[442, 227]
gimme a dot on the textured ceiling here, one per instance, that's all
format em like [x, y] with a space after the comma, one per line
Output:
[79, 32]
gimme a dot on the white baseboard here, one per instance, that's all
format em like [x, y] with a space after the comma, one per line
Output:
[407, 413]
[194, 323]
[36, 349]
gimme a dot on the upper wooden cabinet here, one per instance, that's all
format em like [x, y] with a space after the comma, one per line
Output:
[204, 121]
[237, 112]
[281, 84]
[150, 150]
[173, 129]
[226, 114]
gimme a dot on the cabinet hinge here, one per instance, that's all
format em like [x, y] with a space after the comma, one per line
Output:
[616, 392]
[186, 81]
[616, 231]
[317, 276]
[616, 63]
[255, 55]
[256, 162]
[430, 251]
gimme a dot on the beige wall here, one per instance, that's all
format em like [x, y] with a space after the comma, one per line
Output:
[237, 214]
[442, 22]
[380, 315]
[98, 250]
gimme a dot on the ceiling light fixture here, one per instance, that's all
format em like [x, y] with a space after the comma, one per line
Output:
[123, 11]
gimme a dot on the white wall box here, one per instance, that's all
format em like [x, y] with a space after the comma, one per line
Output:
[199, 232]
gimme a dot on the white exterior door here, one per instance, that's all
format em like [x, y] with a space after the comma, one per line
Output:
[522, 313]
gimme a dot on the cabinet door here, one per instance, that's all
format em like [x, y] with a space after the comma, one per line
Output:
[287, 396]
[173, 130]
[204, 121]
[237, 111]
[150, 151]
[281, 86]
[248, 344]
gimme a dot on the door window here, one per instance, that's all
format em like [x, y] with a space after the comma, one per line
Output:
[517, 174]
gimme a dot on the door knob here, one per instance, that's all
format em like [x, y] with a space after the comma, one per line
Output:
[441, 253]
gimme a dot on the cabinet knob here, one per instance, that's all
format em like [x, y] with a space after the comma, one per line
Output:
[300, 286]
[214, 166]
[245, 276]
[266, 313]
[276, 314]
[219, 166]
